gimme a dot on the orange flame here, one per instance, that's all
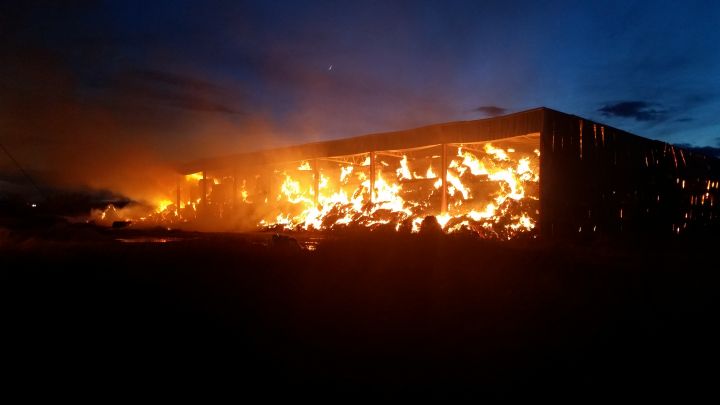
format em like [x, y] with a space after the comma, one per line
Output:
[490, 190]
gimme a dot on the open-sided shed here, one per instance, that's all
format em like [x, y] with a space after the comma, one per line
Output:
[590, 177]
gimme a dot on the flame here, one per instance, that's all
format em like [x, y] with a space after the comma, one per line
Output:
[293, 192]
[471, 162]
[456, 185]
[345, 199]
[443, 219]
[194, 177]
[403, 172]
[243, 192]
[492, 191]
[498, 153]
[345, 172]
[162, 205]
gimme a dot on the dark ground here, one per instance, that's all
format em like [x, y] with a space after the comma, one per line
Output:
[364, 315]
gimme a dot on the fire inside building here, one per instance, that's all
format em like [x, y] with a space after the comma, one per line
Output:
[536, 172]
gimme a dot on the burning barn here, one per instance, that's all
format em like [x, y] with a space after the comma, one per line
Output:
[533, 172]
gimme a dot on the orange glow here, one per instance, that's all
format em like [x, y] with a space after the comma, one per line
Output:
[194, 177]
[162, 205]
[305, 166]
[489, 188]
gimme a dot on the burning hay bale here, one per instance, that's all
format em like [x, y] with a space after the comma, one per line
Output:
[484, 186]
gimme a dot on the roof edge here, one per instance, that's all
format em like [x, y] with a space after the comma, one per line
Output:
[437, 129]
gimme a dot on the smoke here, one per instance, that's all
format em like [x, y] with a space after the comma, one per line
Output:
[105, 97]
[68, 143]
[119, 129]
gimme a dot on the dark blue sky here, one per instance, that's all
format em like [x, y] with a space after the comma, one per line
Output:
[182, 79]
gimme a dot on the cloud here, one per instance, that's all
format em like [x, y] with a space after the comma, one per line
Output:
[175, 90]
[491, 110]
[705, 150]
[637, 110]
[172, 79]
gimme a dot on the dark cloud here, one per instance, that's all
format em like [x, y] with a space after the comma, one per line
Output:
[705, 150]
[637, 110]
[173, 79]
[491, 110]
[684, 119]
[175, 90]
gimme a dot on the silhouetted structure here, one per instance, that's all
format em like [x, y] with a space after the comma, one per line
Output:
[593, 178]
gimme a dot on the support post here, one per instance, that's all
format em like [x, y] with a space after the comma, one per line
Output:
[234, 199]
[204, 189]
[372, 177]
[443, 164]
[177, 196]
[316, 178]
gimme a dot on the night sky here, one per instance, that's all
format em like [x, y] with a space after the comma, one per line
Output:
[96, 86]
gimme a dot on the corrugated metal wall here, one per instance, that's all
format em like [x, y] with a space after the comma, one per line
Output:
[597, 179]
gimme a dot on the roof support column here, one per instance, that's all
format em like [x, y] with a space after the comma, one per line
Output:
[444, 168]
[234, 193]
[372, 177]
[177, 195]
[204, 189]
[316, 178]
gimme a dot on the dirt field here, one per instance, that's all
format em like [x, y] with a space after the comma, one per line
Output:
[371, 314]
